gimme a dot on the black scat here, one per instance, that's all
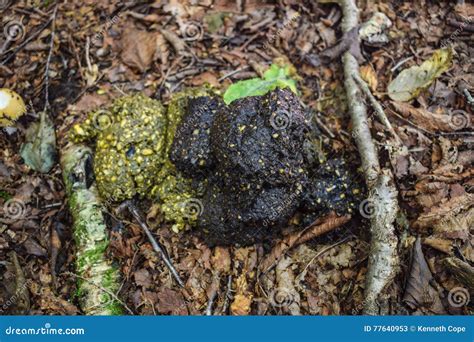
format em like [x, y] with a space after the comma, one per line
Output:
[258, 174]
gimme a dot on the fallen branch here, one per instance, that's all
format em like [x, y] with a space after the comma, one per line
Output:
[97, 278]
[383, 258]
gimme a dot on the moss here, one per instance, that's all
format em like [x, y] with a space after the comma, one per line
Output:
[95, 273]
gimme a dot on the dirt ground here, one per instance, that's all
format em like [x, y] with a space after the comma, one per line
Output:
[104, 49]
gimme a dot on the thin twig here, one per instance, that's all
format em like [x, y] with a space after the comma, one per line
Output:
[376, 105]
[48, 60]
[25, 42]
[228, 295]
[214, 289]
[155, 244]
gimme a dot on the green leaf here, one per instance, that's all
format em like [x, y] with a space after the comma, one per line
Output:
[274, 77]
[39, 149]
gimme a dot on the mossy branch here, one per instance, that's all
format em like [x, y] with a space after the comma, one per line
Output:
[97, 278]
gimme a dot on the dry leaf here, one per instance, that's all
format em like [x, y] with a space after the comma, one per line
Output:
[410, 82]
[138, 48]
[171, 302]
[431, 122]
[142, 278]
[419, 294]
[241, 305]
[368, 75]
[449, 219]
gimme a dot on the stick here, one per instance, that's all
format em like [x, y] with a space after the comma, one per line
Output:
[155, 244]
[48, 60]
[377, 106]
[383, 258]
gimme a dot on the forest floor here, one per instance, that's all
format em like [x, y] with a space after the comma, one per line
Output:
[104, 49]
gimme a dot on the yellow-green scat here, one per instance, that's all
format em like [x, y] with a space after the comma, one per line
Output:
[131, 154]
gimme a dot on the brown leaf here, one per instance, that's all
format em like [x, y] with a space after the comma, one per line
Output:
[206, 77]
[162, 51]
[419, 294]
[221, 259]
[34, 248]
[241, 305]
[89, 102]
[368, 75]
[431, 122]
[171, 302]
[177, 43]
[142, 277]
[138, 48]
[324, 225]
[451, 219]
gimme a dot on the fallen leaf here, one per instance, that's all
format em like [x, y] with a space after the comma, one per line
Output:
[419, 294]
[34, 248]
[206, 77]
[139, 48]
[39, 149]
[142, 277]
[451, 219]
[241, 305]
[431, 122]
[171, 302]
[410, 82]
[368, 75]
[274, 77]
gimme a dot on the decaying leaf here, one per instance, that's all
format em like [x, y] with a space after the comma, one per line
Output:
[452, 219]
[419, 294]
[139, 48]
[39, 149]
[368, 75]
[22, 296]
[171, 302]
[462, 271]
[241, 305]
[410, 82]
[429, 121]
[285, 295]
